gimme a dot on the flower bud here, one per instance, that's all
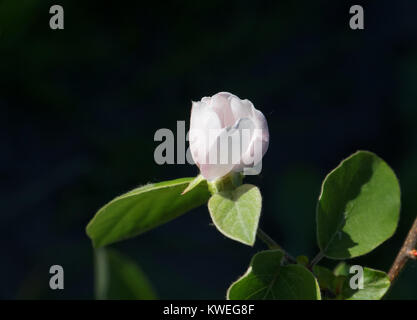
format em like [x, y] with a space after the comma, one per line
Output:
[227, 134]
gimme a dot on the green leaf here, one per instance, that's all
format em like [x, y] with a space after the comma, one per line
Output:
[342, 269]
[375, 283]
[325, 277]
[268, 278]
[117, 277]
[303, 260]
[194, 183]
[144, 208]
[236, 212]
[358, 208]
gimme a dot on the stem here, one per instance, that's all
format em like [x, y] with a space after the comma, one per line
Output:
[273, 245]
[316, 260]
[267, 240]
[405, 253]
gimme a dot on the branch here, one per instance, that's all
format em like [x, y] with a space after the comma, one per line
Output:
[316, 260]
[273, 245]
[407, 251]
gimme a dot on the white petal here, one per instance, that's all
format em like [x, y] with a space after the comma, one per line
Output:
[213, 165]
[203, 121]
[241, 108]
[221, 105]
[214, 171]
[228, 116]
[260, 139]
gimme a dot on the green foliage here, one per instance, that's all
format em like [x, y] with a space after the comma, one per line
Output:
[325, 277]
[144, 208]
[236, 212]
[336, 283]
[268, 278]
[117, 277]
[342, 269]
[358, 208]
[375, 284]
[194, 183]
[303, 260]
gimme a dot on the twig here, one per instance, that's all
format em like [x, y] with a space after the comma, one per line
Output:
[407, 251]
[316, 260]
[273, 245]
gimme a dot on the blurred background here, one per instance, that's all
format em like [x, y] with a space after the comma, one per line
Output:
[79, 108]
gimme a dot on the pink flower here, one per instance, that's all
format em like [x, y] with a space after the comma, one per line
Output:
[227, 134]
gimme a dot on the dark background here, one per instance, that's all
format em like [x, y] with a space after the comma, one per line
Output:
[79, 108]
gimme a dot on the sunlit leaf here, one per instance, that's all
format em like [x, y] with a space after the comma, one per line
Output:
[268, 278]
[236, 212]
[358, 208]
[144, 208]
